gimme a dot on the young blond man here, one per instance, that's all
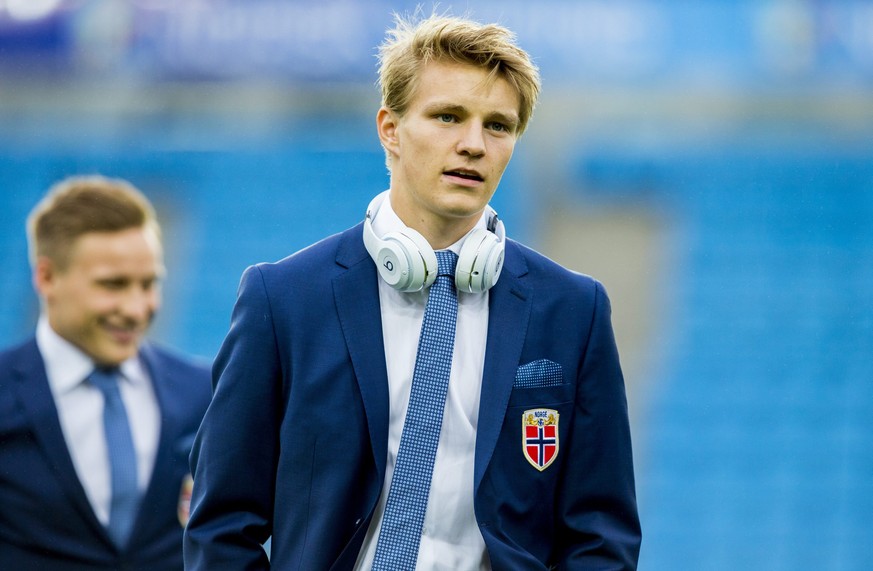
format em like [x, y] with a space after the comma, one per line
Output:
[420, 391]
[93, 479]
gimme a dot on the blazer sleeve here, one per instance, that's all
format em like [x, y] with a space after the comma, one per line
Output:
[600, 526]
[234, 457]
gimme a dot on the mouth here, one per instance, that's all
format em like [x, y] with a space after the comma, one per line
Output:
[124, 335]
[465, 174]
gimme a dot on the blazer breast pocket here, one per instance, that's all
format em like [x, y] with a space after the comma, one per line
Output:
[539, 373]
[539, 383]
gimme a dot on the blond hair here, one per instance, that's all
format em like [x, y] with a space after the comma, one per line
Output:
[411, 44]
[82, 204]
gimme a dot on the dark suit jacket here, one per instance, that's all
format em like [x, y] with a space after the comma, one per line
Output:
[46, 520]
[294, 442]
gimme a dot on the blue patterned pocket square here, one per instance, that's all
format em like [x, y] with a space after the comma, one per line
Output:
[539, 373]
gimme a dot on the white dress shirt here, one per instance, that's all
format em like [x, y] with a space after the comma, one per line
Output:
[80, 411]
[451, 540]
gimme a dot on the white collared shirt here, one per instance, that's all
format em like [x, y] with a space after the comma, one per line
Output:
[451, 540]
[80, 411]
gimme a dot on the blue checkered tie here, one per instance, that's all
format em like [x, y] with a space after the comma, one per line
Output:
[400, 535]
[122, 456]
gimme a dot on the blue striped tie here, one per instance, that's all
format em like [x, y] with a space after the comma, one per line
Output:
[122, 456]
[400, 536]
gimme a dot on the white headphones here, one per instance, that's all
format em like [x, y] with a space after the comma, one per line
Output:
[406, 261]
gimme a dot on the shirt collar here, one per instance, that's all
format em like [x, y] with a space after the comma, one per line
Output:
[67, 366]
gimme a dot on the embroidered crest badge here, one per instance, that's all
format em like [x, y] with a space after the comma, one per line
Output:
[184, 507]
[539, 436]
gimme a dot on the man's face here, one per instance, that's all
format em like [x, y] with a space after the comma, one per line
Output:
[450, 148]
[106, 297]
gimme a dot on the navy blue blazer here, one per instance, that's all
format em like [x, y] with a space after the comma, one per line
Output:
[294, 442]
[46, 520]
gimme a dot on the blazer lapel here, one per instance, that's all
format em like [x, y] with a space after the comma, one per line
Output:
[36, 397]
[356, 292]
[508, 314]
[164, 457]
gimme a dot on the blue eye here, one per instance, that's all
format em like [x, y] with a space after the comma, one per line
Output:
[502, 127]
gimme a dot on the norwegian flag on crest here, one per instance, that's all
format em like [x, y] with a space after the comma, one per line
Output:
[540, 437]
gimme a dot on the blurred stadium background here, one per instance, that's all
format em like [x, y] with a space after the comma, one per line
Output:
[710, 161]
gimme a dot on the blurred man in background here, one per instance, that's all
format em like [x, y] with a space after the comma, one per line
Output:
[383, 401]
[96, 424]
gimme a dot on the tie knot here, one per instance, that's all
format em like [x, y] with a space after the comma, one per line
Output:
[105, 379]
[446, 262]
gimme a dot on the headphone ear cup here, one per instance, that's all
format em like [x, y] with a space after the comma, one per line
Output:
[393, 263]
[493, 266]
[406, 261]
[479, 262]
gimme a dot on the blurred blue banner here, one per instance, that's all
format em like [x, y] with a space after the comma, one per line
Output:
[334, 40]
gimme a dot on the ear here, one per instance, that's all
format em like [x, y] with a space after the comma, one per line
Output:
[387, 124]
[44, 273]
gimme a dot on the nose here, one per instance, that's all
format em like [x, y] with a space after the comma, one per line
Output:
[140, 304]
[472, 142]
